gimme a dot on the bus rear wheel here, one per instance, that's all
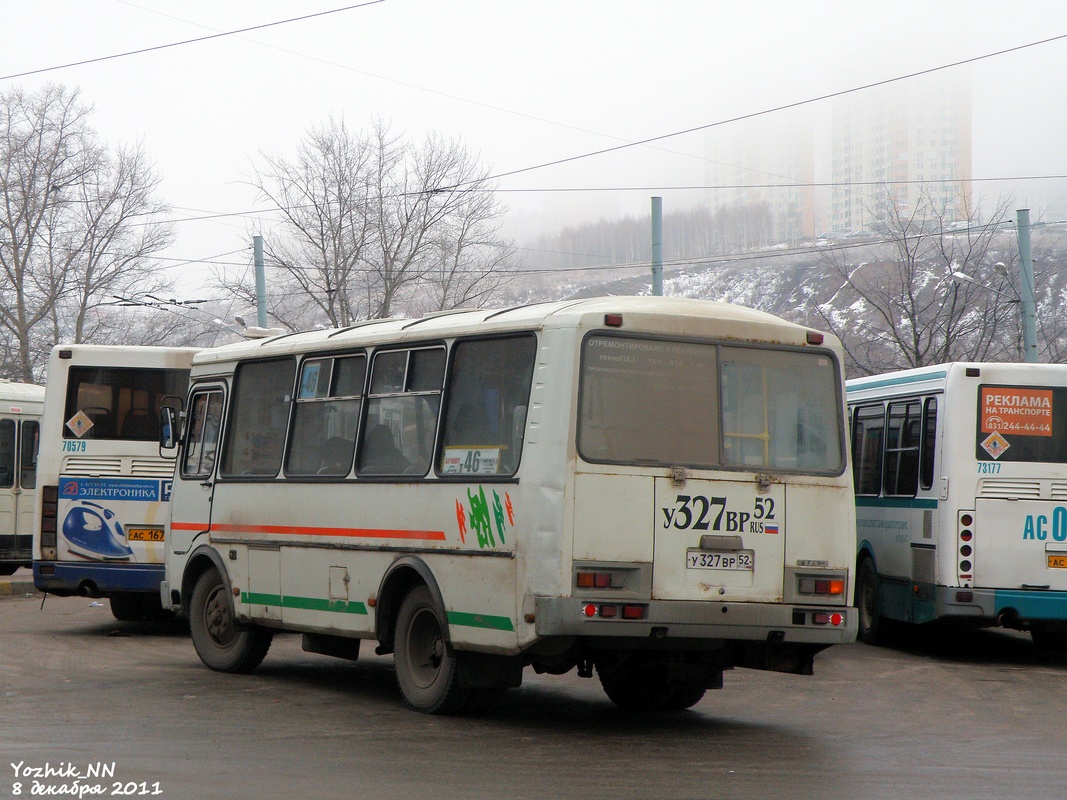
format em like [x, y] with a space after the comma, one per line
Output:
[640, 682]
[868, 602]
[126, 606]
[427, 670]
[220, 641]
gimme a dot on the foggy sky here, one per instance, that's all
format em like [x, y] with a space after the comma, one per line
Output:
[521, 83]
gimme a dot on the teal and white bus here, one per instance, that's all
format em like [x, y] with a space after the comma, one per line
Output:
[961, 496]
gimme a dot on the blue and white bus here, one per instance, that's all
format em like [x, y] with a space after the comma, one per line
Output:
[105, 486]
[961, 496]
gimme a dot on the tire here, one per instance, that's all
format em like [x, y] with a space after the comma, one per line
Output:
[684, 697]
[152, 608]
[427, 670]
[1050, 638]
[869, 603]
[127, 606]
[221, 642]
[639, 683]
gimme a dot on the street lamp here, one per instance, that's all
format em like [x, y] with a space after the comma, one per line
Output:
[1026, 309]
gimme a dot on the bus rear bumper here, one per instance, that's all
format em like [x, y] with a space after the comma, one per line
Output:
[679, 619]
[1012, 608]
[95, 580]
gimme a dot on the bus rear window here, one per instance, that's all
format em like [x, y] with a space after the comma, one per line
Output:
[119, 403]
[673, 403]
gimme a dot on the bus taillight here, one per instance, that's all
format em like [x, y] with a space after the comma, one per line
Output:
[825, 618]
[966, 550]
[829, 586]
[611, 611]
[49, 515]
[596, 580]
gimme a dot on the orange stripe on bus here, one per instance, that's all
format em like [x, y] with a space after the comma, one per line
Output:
[295, 530]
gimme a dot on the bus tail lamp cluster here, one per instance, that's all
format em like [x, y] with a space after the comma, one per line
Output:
[615, 611]
[49, 515]
[966, 563]
[824, 586]
[804, 617]
[599, 580]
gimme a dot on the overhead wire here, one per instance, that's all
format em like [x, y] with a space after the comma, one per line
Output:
[183, 42]
[776, 109]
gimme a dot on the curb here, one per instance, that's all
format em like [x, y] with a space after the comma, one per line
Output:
[15, 586]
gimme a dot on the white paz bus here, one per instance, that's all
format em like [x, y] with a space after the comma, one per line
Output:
[20, 413]
[105, 487]
[961, 496]
[653, 489]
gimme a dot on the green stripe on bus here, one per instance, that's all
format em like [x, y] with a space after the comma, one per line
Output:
[480, 621]
[306, 603]
[896, 502]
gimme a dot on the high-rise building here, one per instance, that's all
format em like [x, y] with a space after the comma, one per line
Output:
[764, 170]
[906, 144]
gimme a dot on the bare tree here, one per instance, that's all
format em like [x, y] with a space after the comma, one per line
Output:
[75, 226]
[323, 196]
[901, 306]
[370, 223]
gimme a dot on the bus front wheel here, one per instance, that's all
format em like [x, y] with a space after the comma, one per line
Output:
[220, 641]
[868, 602]
[426, 666]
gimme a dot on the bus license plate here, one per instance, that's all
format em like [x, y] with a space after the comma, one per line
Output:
[737, 560]
[144, 534]
[1057, 561]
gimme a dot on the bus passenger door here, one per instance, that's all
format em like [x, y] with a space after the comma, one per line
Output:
[192, 498]
[8, 488]
[26, 482]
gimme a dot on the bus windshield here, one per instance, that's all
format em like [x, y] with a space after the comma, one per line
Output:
[652, 401]
[118, 402]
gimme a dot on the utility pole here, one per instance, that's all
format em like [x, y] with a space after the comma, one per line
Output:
[1028, 305]
[657, 246]
[261, 282]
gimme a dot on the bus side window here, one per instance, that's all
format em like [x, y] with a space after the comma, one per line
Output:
[929, 442]
[488, 393]
[255, 436]
[867, 434]
[901, 472]
[205, 419]
[7, 453]
[31, 437]
[325, 416]
[402, 411]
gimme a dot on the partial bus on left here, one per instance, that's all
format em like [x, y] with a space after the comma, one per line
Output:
[105, 484]
[20, 414]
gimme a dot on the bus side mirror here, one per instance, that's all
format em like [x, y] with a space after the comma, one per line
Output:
[168, 432]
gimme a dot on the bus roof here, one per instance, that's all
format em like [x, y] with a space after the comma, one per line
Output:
[698, 318]
[920, 378]
[20, 392]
